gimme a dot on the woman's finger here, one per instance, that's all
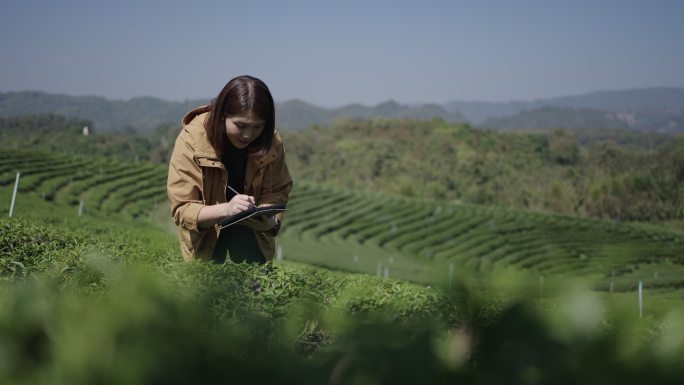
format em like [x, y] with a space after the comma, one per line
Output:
[246, 198]
[241, 199]
[249, 199]
[239, 206]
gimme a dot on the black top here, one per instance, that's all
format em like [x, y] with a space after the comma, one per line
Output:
[238, 241]
[235, 160]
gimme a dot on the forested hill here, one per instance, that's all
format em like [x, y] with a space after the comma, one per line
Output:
[654, 99]
[549, 117]
[556, 117]
[138, 114]
[54, 133]
[632, 177]
[297, 114]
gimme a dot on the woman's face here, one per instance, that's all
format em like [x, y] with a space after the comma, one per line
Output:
[243, 129]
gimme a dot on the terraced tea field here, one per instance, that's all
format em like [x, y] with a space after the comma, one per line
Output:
[378, 234]
[105, 186]
[430, 235]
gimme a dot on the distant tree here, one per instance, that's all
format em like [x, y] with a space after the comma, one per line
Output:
[563, 148]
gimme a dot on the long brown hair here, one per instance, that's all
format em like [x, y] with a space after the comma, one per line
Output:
[242, 95]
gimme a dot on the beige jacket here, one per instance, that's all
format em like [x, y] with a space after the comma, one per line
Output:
[197, 178]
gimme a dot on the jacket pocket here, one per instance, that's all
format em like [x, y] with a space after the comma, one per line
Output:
[211, 178]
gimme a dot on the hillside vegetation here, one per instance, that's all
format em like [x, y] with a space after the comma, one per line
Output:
[661, 121]
[624, 178]
[55, 133]
[611, 174]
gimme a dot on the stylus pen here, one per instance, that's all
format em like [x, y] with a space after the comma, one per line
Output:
[235, 192]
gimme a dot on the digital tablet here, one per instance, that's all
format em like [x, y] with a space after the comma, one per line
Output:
[257, 211]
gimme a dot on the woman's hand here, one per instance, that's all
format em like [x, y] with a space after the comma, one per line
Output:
[272, 221]
[238, 204]
[210, 215]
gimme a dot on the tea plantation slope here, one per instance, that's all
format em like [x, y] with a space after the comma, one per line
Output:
[88, 252]
[380, 234]
[101, 184]
[355, 225]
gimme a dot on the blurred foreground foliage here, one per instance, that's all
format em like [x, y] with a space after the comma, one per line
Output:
[109, 305]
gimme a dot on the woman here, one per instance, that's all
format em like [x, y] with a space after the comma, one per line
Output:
[229, 146]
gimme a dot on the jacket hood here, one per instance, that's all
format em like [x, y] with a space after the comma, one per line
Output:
[193, 123]
[193, 113]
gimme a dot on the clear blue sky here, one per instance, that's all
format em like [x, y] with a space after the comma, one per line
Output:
[336, 52]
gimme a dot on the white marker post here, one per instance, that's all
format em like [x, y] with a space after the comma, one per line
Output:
[80, 208]
[641, 298]
[279, 254]
[451, 275]
[386, 272]
[14, 195]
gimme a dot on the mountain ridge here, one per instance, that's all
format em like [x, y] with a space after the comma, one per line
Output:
[655, 108]
[634, 100]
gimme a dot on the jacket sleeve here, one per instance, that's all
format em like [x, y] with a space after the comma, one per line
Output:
[184, 186]
[275, 189]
